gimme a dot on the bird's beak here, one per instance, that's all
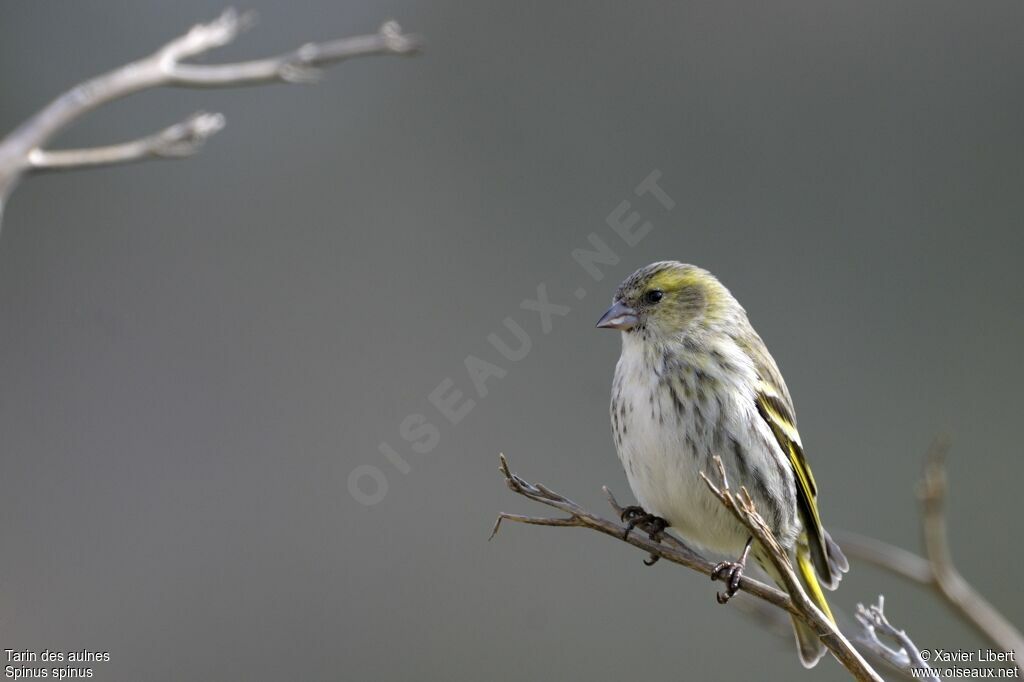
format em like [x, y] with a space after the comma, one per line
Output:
[619, 316]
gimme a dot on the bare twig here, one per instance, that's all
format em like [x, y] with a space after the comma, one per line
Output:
[938, 571]
[896, 560]
[182, 139]
[22, 150]
[876, 626]
[676, 551]
[299, 66]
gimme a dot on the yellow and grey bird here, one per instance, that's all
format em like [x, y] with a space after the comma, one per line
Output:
[695, 380]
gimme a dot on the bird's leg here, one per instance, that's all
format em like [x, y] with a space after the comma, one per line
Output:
[636, 516]
[730, 573]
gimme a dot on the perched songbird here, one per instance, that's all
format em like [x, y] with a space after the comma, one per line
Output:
[694, 381]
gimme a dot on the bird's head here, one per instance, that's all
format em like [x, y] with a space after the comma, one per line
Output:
[666, 299]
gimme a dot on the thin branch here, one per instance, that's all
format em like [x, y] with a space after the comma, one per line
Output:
[896, 560]
[299, 66]
[964, 599]
[177, 141]
[937, 571]
[531, 520]
[22, 150]
[672, 549]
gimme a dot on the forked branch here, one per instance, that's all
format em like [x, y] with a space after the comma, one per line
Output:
[176, 141]
[936, 569]
[23, 150]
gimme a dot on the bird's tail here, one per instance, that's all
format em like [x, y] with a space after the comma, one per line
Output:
[809, 645]
[807, 641]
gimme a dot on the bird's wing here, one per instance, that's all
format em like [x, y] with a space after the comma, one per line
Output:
[776, 408]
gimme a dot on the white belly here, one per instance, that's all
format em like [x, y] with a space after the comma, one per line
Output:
[664, 446]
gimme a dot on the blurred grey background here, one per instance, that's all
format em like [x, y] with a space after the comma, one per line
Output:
[195, 355]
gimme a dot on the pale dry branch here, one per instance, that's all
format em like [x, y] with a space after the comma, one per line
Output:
[179, 140]
[946, 579]
[876, 626]
[937, 571]
[889, 557]
[22, 151]
[299, 66]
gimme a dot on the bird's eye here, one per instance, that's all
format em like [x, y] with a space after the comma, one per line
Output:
[654, 295]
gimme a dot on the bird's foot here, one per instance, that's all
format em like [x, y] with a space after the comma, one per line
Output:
[730, 572]
[638, 517]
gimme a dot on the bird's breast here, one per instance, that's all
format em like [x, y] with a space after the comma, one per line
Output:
[670, 418]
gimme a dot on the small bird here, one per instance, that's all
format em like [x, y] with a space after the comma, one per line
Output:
[695, 380]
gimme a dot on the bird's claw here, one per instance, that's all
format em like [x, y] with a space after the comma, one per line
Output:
[730, 573]
[636, 516]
